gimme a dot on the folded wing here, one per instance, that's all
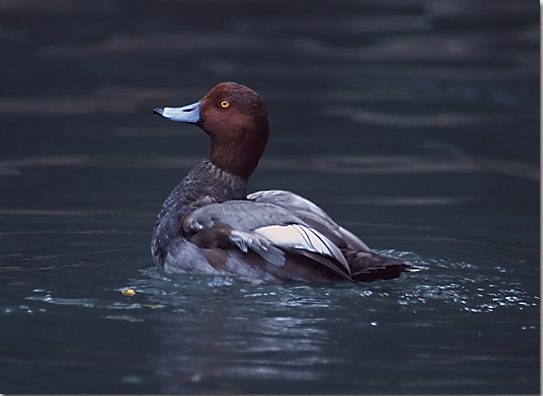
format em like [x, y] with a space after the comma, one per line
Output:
[364, 265]
[264, 228]
[283, 228]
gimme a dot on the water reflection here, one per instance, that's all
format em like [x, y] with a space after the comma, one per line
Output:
[298, 333]
[218, 334]
[233, 343]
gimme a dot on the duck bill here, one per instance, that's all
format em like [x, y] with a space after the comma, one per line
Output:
[189, 113]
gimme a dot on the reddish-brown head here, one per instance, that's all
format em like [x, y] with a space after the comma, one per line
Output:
[235, 119]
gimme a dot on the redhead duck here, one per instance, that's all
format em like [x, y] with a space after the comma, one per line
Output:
[209, 225]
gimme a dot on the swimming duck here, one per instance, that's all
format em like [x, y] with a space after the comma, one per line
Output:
[209, 225]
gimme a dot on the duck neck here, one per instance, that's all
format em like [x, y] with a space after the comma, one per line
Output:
[207, 179]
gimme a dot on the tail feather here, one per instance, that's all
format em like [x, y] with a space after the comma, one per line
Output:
[367, 266]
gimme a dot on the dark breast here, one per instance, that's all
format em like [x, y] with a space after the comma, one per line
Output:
[205, 180]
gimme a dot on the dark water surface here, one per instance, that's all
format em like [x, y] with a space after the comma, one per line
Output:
[413, 123]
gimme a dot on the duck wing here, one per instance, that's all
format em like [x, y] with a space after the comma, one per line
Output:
[312, 215]
[269, 230]
[364, 265]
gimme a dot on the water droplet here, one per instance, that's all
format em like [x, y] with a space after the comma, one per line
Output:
[528, 327]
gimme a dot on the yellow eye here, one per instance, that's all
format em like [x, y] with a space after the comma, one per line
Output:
[225, 104]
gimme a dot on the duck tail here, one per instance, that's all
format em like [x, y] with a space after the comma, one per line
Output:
[368, 266]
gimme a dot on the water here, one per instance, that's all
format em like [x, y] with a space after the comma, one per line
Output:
[415, 124]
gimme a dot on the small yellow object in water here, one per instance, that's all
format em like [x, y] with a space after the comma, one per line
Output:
[128, 292]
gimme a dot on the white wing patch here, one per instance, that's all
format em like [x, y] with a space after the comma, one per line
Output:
[301, 237]
[248, 240]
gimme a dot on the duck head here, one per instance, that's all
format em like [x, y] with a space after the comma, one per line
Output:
[236, 121]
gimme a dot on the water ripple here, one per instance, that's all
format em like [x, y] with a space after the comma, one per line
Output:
[453, 161]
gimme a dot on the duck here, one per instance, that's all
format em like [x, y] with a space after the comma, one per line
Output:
[209, 224]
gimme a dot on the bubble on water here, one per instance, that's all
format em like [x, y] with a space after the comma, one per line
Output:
[219, 281]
